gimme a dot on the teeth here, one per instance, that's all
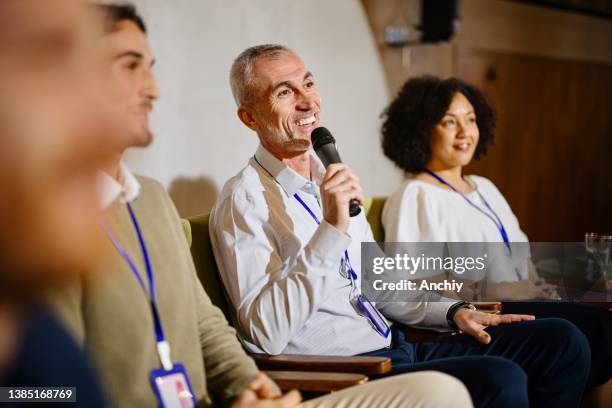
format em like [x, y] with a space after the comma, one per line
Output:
[306, 121]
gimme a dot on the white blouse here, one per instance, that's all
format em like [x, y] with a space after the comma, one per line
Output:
[422, 212]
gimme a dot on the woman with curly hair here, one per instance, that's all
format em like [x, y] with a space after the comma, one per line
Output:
[432, 130]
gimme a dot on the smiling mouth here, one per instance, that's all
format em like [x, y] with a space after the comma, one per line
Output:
[462, 146]
[306, 121]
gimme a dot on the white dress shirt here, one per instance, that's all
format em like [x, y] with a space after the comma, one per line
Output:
[422, 212]
[125, 190]
[281, 270]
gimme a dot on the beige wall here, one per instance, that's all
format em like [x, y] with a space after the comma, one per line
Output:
[492, 25]
[199, 141]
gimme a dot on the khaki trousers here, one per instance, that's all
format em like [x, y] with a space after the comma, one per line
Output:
[427, 389]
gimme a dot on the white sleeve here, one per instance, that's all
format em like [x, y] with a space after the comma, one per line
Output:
[427, 312]
[409, 216]
[273, 297]
[424, 310]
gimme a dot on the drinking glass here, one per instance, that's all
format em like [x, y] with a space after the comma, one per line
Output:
[599, 246]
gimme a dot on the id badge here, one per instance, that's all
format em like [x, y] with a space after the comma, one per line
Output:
[172, 388]
[377, 320]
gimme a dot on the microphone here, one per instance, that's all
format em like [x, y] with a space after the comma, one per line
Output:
[324, 146]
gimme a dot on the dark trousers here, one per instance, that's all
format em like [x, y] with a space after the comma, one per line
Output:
[540, 363]
[595, 322]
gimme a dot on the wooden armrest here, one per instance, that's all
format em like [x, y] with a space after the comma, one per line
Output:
[489, 307]
[340, 364]
[418, 335]
[314, 381]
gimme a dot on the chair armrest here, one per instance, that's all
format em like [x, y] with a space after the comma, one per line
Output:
[419, 335]
[339, 364]
[489, 307]
[313, 381]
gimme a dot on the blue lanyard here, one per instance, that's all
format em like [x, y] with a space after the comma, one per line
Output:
[497, 221]
[353, 275]
[152, 293]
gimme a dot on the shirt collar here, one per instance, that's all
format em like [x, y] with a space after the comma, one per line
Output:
[125, 190]
[290, 181]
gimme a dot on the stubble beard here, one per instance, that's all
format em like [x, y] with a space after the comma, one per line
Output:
[287, 143]
[296, 145]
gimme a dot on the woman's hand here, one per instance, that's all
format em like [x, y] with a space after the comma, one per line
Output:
[522, 290]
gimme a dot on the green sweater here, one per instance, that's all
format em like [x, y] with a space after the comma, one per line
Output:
[110, 313]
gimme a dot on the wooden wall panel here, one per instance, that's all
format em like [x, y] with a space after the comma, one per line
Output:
[553, 153]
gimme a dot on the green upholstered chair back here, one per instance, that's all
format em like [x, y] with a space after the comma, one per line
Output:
[186, 230]
[373, 207]
[206, 267]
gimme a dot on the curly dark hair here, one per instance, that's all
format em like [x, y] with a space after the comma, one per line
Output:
[419, 106]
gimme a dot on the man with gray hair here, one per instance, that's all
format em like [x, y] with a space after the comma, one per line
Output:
[242, 78]
[290, 259]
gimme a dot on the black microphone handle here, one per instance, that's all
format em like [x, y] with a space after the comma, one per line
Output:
[354, 208]
[325, 147]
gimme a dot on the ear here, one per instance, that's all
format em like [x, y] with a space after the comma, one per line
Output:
[246, 117]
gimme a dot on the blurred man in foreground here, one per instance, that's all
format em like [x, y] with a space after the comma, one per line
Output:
[52, 119]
